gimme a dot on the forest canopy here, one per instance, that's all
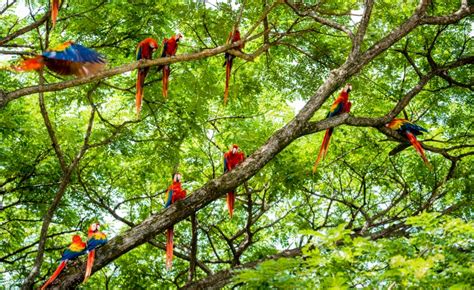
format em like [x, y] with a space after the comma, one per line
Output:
[78, 148]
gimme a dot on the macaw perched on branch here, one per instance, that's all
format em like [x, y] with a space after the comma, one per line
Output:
[341, 105]
[175, 193]
[76, 249]
[234, 36]
[170, 46]
[54, 10]
[68, 58]
[410, 131]
[145, 50]
[95, 239]
[232, 158]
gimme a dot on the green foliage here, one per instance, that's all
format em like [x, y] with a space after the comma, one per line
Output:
[437, 253]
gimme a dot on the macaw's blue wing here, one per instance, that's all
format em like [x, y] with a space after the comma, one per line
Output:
[93, 243]
[165, 47]
[413, 128]
[139, 52]
[169, 198]
[335, 109]
[75, 53]
[69, 255]
[225, 165]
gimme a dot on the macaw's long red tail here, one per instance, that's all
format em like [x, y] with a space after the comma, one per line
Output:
[418, 148]
[90, 263]
[166, 74]
[324, 148]
[230, 203]
[140, 81]
[54, 11]
[55, 274]
[30, 64]
[228, 69]
[169, 248]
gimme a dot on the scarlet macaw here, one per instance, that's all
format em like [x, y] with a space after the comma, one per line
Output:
[170, 46]
[410, 130]
[234, 36]
[54, 10]
[76, 249]
[175, 193]
[145, 50]
[95, 239]
[231, 159]
[341, 105]
[66, 59]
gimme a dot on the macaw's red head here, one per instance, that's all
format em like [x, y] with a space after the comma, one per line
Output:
[235, 148]
[347, 88]
[152, 43]
[76, 239]
[177, 177]
[95, 227]
[178, 37]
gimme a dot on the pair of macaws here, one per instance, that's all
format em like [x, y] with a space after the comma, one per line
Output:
[175, 192]
[95, 239]
[404, 127]
[145, 50]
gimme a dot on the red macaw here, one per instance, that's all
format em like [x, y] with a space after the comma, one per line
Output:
[175, 193]
[76, 249]
[234, 36]
[95, 239]
[410, 130]
[232, 158]
[341, 105]
[68, 58]
[170, 46]
[54, 10]
[145, 50]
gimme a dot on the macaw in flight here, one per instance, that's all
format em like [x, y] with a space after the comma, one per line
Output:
[77, 248]
[341, 105]
[95, 239]
[170, 46]
[175, 193]
[54, 10]
[232, 158]
[68, 58]
[145, 50]
[410, 131]
[234, 36]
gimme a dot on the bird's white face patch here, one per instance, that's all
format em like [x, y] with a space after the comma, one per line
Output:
[234, 150]
[94, 227]
[177, 177]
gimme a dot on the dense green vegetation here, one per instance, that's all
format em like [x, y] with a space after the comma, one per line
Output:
[373, 215]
